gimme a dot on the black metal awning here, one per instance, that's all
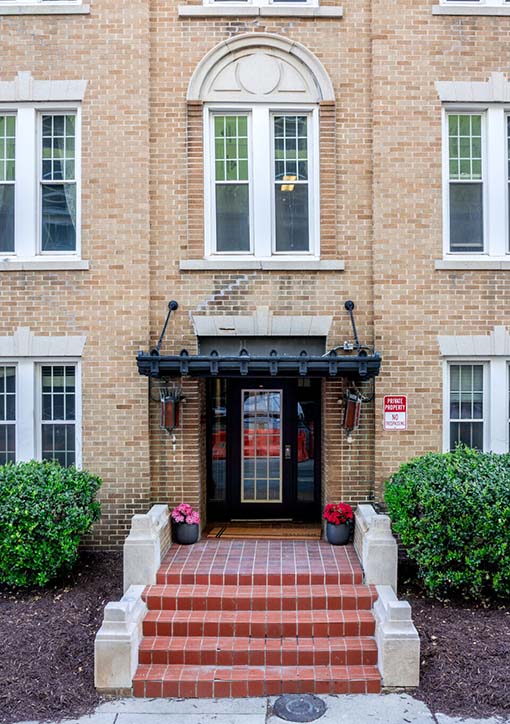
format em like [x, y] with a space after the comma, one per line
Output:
[359, 366]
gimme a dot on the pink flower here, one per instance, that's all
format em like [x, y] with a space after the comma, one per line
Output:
[184, 513]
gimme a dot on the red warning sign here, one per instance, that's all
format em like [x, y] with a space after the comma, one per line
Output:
[395, 412]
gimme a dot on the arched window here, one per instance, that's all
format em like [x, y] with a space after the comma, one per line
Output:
[261, 96]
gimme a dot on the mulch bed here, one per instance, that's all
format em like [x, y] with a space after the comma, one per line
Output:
[47, 647]
[465, 655]
[47, 641]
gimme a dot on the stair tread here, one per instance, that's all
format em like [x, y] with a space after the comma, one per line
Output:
[300, 616]
[242, 642]
[171, 671]
[181, 589]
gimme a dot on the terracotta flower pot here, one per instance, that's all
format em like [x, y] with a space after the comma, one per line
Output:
[338, 535]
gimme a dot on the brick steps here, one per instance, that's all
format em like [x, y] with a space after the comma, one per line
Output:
[239, 681]
[259, 624]
[258, 618]
[196, 597]
[240, 651]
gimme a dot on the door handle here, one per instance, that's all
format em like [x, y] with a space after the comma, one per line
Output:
[288, 452]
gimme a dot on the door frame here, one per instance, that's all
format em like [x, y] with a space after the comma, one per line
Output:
[291, 508]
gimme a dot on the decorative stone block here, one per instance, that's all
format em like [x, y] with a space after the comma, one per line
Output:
[117, 642]
[146, 545]
[376, 546]
[397, 639]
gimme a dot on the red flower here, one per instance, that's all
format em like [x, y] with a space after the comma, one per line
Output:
[337, 513]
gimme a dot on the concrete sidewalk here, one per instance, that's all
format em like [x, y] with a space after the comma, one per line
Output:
[348, 709]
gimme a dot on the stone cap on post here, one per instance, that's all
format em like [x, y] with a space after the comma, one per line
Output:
[145, 546]
[376, 546]
[117, 642]
[398, 643]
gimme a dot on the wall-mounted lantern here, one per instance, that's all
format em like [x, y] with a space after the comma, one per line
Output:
[352, 411]
[170, 408]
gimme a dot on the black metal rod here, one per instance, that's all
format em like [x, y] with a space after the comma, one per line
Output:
[349, 305]
[172, 306]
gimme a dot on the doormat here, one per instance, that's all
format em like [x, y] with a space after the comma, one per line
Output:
[271, 531]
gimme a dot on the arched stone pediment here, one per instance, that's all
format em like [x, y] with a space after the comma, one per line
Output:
[258, 67]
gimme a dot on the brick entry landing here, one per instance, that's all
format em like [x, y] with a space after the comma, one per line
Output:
[254, 618]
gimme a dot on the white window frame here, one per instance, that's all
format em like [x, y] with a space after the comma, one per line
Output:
[15, 421]
[27, 195]
[494, 180]
[496, 377]
[28, 404]
[261, 180]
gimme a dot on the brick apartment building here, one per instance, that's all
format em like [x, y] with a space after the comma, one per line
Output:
[261, 162]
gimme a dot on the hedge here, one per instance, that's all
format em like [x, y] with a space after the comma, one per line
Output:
[44, 511]
[452, 513]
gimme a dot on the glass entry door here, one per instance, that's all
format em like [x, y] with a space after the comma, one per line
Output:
[261, 446]
[263, 449]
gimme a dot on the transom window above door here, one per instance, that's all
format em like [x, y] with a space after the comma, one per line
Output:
[262, 181]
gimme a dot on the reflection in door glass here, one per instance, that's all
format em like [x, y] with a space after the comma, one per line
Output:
[261, 449]
[219, 439]
[305, 444]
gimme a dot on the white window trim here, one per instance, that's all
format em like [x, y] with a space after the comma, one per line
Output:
[261, 182]
[27, 195]
[494, 179]
[495, 404]
[28, 404]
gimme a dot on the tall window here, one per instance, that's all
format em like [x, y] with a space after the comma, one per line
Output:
[466, 182]
[58, 413]
[7, 179]
[467, 405]
[58, 183]
[39, 182]
[264, 191]
[7, 414]
[291, 183]
[232, 183]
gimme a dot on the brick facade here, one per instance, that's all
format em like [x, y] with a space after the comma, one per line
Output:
[143, 212]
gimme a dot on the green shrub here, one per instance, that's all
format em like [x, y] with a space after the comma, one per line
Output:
[452, 512]
[44, 511]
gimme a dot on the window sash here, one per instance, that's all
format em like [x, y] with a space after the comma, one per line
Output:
[8, 400]
[7, 182]
[466, 186]
[466, 404]
[58, 431]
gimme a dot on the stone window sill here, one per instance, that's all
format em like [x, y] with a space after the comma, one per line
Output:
[470, 10]
[44, 9]
[44, 265]
[241, 10]
[472, 265]
[266, 265]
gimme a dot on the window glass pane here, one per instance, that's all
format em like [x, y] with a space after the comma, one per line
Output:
[6, 217]
[292, 218]
[291, 187]
[466, 217]
[466, 405]
[232, 217]
[218, 442]
[7, 444]
[231, 148]
[58, 404]
[7, 177]
[58, 217]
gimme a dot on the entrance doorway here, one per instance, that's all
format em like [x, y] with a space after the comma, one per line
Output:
[263, 449]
